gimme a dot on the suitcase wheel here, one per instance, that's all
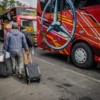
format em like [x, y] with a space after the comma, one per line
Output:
[39, 80]
[28, 81]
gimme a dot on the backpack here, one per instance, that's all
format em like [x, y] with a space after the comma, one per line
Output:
[30, 40]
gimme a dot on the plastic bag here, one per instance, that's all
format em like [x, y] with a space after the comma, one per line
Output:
[32, 50]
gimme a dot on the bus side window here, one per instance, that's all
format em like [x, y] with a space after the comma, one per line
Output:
[0, 24]
[43, 3]
[80, 3]
[6, 17]
[51, 6]
[66, 6]
[92, 3]
[13, 12]
[86, 3]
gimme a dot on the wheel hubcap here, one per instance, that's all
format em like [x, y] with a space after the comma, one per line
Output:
[80, 55]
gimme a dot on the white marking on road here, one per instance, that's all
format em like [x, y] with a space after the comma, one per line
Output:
[70, 71]
[40, 48]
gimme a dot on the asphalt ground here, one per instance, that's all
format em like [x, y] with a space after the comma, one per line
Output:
[60, 81]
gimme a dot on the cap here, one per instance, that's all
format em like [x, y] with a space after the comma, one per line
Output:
[14, 25]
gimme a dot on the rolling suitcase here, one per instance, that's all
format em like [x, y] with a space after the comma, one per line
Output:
[5, 64]
[32, 73]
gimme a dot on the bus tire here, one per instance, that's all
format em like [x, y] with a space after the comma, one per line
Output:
[82, 55]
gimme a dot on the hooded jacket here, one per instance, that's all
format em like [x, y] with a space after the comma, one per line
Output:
[15, 41]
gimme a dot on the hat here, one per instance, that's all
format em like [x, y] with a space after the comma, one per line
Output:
[14, 25]
[22, 27]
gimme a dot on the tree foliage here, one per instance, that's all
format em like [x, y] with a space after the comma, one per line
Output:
[9, 3]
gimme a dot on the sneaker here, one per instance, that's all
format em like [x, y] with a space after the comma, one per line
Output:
[20, 76]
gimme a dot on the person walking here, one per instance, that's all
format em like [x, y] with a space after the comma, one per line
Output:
[30, 41]
[14, 42]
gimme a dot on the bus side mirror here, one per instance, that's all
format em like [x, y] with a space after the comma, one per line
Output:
[8, 16]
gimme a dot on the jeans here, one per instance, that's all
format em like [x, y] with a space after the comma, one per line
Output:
[17, 63]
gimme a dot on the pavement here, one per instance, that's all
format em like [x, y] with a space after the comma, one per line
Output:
[57, 83]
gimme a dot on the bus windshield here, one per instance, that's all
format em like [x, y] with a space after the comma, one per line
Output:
[26, 11]
[29, 24]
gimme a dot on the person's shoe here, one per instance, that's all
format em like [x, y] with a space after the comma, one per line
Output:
[20, 76]
[14, 72]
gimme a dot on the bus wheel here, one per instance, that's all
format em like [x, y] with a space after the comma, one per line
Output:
[82, 55]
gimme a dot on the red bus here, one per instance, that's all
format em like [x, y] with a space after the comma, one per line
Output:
[24, 16]
[70, 27]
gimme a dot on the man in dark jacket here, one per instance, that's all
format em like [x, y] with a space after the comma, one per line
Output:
[14, 42]
[27, 56]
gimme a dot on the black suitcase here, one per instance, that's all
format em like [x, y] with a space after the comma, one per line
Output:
[5, 66]
[32, 73]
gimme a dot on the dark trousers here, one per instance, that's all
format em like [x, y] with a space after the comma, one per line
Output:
[17, 63]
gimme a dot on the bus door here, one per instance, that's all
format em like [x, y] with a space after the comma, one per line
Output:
[54, 37]
[48, 18]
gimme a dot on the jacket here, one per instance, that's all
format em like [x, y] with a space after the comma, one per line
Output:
[15, 41]
[27, 36]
